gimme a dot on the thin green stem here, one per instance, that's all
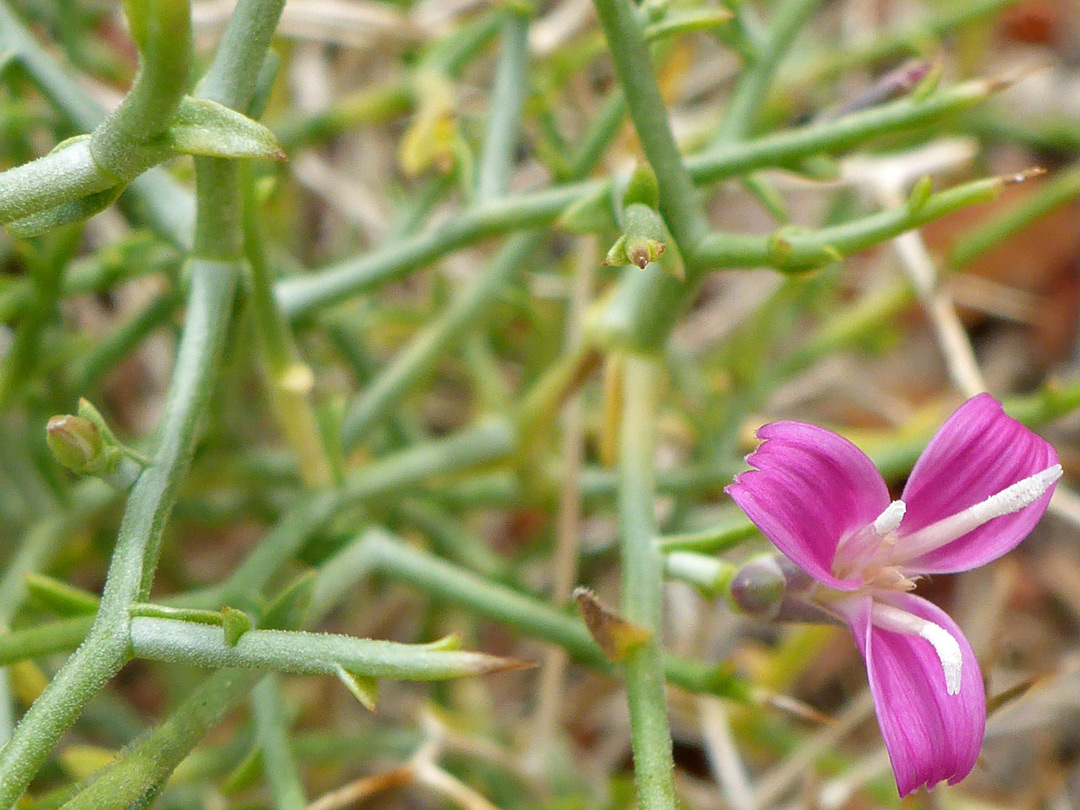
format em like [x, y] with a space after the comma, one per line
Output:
[791, 250]
[164, 38]
[507, 101]
[272, 737]
[213, 271]
[754, 82]
[304, 295]
[151, 499]
[290, 381]
[301, 653]
[630, 52]
[137, 779]
[642, 585]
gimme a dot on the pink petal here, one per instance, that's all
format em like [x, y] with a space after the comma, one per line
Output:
[930, 735]
[978, 452]
[810, 488]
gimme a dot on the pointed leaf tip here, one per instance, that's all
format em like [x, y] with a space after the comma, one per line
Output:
[363, 687]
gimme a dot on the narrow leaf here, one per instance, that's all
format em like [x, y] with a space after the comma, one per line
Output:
[65, 214]
[206, 128]
[60, 597]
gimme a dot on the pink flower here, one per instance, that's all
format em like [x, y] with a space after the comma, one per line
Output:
[978, 489]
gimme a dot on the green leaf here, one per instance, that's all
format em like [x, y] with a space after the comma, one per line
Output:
[234, 623]
[206, 128]
[65, 213]
[60, 597]
[363, 687]
[195, 615]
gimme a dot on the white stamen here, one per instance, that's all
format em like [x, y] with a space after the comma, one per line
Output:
[888, 520]
[947, 648]
[1011, 499]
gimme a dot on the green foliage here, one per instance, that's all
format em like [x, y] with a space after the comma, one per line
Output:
[314, 415]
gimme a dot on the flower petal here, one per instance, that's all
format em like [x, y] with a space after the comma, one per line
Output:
[977, 453]
[810, 489]
[930, 735]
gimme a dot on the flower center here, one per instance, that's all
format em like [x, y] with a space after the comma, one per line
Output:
[858, 552]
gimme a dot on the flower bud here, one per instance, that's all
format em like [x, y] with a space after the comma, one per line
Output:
[76, 443]
[758, 587]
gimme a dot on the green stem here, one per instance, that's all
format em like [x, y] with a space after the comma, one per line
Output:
[746, 99]
[149, 503]
[417, 360]
[507, 100]
[164, 40]
[796, 251]
[272, 736]
[301, 653]
[642, 585]
[136, 779]
[288, 378]
[630, 52]
[64, 175]
[304, 295]
[213, 269]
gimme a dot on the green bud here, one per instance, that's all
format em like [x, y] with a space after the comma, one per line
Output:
[642, 251]
[642, 240]
[77, 444]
